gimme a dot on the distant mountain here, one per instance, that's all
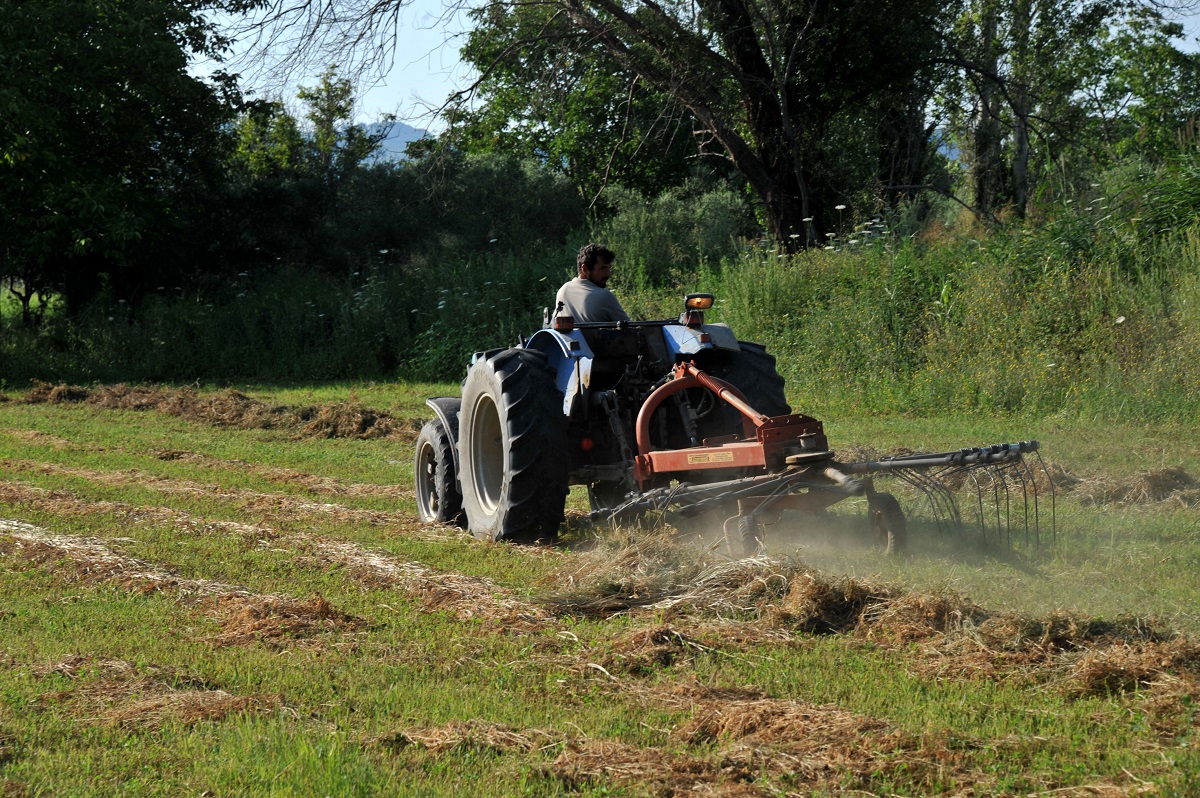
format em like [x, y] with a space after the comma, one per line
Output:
[392, 147]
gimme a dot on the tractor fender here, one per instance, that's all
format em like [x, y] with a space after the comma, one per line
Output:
[682, 340]
[446, 409]
[570, 359]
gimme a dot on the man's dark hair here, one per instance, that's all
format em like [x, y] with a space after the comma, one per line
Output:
[592, 254]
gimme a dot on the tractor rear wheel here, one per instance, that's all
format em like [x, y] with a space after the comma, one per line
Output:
[512, 448]
[438, 499]
[753, 371]
[887, 522]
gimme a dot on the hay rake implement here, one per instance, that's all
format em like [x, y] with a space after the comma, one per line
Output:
[801, 473]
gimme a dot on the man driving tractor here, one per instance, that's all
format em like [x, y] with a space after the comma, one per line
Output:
[587, 298]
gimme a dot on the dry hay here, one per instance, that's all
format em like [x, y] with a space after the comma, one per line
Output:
[120, 693]
[752, 739]
[276, 620]
[1148, 487]
[314, 483]
[245, 617]
[271, 504]
[467, 597]
[41, 438]
[1075, 655]
[61, 502]
[652, 771]
[746, 716]
[89, 560]
[657, 573]
[585, 763]
[1174, 665]
[349, 420]
[232, 409]
[643, 651]
[474, 735]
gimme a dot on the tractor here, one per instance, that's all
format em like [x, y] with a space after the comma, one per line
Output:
[674, 414]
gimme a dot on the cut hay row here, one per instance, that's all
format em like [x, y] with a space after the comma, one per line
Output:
[467, 597]
[751, 746]
[684, 590]
[146, 698]
[65, 503]
[92, 561]
[251, 500]
[244, 617]
[723, 606]
[314, 483]
[233, 409]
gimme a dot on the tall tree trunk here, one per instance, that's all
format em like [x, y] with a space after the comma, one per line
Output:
[1021, 93]
[986, 162]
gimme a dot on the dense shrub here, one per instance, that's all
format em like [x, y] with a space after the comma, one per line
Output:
[1094, 310]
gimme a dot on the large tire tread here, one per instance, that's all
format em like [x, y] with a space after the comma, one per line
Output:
[534, 489]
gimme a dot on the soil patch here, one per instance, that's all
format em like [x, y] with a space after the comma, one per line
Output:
[233, 409]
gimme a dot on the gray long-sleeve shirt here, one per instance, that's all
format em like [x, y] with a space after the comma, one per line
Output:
[585, 301]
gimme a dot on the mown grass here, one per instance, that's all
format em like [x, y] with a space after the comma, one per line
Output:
[341, 707]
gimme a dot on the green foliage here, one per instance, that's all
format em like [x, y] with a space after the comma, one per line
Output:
[658, 241]
[105, 138]
[1091, 312]
[584, 114]
[1049, 95]
[786, 94]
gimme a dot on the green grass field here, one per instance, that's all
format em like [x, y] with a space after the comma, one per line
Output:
[192, 607]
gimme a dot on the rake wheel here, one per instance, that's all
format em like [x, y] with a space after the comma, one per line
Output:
[888, 523]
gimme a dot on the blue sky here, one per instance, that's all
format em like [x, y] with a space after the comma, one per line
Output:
[426, 67]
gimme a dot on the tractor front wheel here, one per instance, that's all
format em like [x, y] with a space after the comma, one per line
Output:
[512, 448]
[438, 499]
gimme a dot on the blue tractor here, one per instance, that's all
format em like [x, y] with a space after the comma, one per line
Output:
[654, 415]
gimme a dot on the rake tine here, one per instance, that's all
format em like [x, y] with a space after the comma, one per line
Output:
[1053, 501]
[971, 472]
[1029, 481]
[941, 501]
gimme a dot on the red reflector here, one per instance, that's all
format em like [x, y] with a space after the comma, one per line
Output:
[587, 444]
[564, 323]
[705, 338]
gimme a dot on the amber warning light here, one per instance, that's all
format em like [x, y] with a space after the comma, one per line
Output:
[564, 323]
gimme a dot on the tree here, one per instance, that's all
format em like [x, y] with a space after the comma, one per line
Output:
[1054, 87]
[293, 180]
[104, 138]
[767, 81]
[572, 107]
